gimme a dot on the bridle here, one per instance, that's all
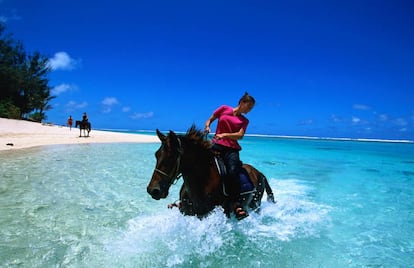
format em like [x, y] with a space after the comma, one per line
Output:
[175, 173]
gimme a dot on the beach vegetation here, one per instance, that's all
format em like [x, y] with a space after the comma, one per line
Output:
[8, 110]
[24, 86]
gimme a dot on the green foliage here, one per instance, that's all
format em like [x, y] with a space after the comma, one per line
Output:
[8, 110]
[37, 117]
[24, 86]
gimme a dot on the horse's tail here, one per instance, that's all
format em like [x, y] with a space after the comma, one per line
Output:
[268, 189]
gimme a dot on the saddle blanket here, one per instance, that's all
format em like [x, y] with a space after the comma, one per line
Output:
[246, 184]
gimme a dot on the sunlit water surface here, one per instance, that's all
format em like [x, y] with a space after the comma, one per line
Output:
[339, 204]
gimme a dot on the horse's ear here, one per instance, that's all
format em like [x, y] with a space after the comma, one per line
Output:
[173, 135]
[161, 136]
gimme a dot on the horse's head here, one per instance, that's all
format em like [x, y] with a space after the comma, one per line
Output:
[167, 169]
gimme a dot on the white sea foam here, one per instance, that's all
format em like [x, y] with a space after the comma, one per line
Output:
[168, 233]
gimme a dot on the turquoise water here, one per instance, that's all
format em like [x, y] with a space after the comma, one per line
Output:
[339, 204]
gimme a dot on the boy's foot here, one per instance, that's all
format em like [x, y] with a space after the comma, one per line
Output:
[240, 213]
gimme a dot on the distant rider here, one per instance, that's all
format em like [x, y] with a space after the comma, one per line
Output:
[85, 118]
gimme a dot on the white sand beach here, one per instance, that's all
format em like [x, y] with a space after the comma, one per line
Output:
[18, 134]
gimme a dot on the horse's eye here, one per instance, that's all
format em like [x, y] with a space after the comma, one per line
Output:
[160, 151]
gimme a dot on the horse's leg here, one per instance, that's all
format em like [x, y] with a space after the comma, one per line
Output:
[261, 184]
[186, 205]
[268, 189]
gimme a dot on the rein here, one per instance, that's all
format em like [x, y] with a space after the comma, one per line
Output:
[175, 174]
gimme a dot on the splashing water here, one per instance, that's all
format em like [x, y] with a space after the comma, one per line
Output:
[172, 239]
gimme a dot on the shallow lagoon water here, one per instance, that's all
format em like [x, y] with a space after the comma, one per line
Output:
[339, 204]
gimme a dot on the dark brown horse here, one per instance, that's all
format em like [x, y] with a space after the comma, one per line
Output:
[85, 126]
[191, 157]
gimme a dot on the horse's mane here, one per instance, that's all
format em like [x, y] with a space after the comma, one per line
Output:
[200, 155]
[195, 140]
[198, 137]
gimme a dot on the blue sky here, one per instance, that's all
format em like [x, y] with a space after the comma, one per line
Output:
[316, 68]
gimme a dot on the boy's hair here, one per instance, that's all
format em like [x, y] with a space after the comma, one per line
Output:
[247, 98]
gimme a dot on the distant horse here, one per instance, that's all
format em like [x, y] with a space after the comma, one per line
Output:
[85, 126]
[191, 157]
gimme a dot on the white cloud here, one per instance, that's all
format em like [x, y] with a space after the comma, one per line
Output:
[106, 110]
[126, 109]
[62, 61]
[400, 122]
[57, 90]
[336, 118]
[355, 120]
[361, 107]
[107, 103]
[72, 105]
[383, 117]
[306, 122]
[142, 115]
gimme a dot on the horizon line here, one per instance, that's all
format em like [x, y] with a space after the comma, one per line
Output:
[284, 136]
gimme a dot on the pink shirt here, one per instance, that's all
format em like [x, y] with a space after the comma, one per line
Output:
[229, 123]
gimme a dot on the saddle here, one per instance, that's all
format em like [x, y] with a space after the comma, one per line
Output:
[246, 185]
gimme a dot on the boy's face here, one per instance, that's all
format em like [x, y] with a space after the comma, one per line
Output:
[246, 107]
